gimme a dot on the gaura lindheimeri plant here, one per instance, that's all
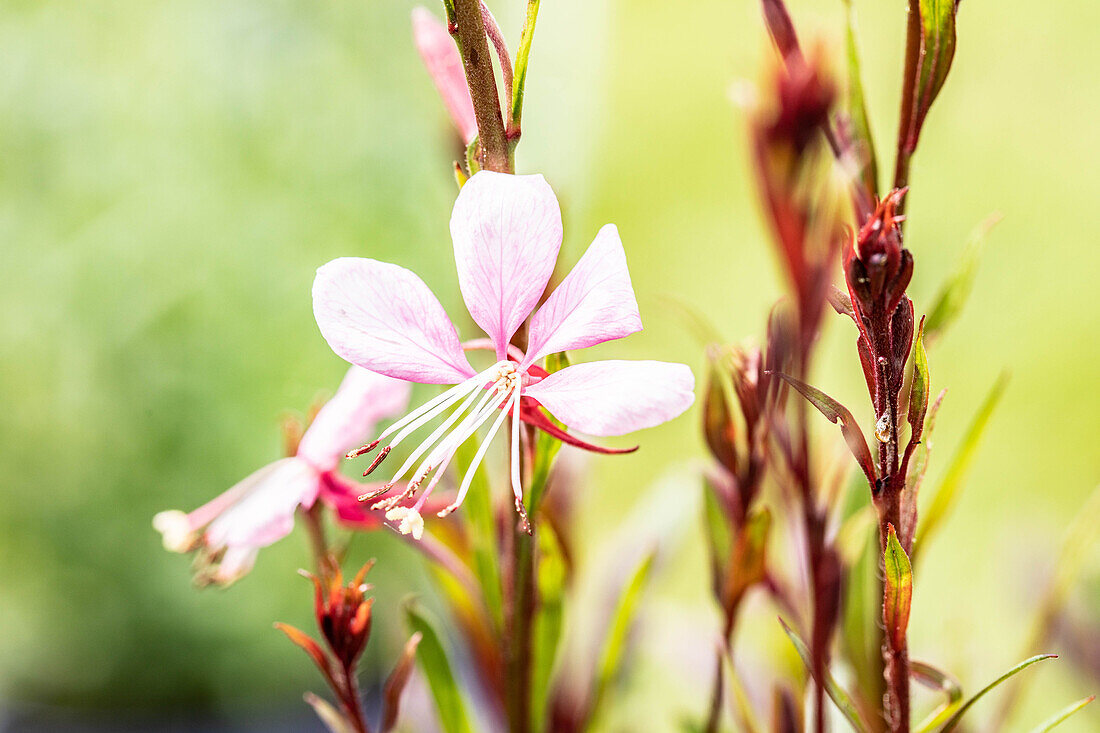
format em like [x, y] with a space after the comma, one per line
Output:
[506, 232]
[229, 531]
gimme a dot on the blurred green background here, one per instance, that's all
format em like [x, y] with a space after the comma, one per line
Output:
[171, 174]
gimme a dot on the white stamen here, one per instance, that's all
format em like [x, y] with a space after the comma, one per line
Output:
[517, 487]
[436, 434]
[466, 428]
[452, 395]
[469, 477]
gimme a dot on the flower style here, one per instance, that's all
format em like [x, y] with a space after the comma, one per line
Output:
[230, 530]
[507, 232]
[440, 55]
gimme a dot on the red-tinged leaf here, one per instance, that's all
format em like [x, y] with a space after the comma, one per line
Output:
[838, 414]
[898, 589]
[719, 428]
[530, 413]
[937, 19]
[309, 646]
[330, 716]
[781, 28]
[395, 684]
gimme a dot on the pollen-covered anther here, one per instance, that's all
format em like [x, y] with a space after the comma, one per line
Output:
[408, 521]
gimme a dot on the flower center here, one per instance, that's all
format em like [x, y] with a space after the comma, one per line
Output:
[499, 388]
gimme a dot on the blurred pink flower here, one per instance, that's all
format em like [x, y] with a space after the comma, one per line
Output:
[507, 232]
[440, 56]
[230, 530]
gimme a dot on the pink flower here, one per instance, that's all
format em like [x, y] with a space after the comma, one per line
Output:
[507, 232]
[440, 55]
[230, 530]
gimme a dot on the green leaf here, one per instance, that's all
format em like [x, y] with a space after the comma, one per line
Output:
[956, 289]
[433, 661]
[519, 79]
[621, 621]
[947, 492]
[918, 392]
[935, 679]
[954, 720]
[551, 578]
[1055, 720]
[898, 589]
[857, 110]
[937, 18]
[836, 693]
[838, 413]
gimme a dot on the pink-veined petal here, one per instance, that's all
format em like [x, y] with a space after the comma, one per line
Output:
[265, 511]
[383, 317]
[440, 55]
[616, 397]
[595, 302]
[507, 233]
[347, 419]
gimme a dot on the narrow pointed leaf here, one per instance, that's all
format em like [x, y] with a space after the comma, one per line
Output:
[898, 589]
[947, 492]
[433, 661]
[857, 111]
[1055, 720]
[937, 50]
[621, 621]
[330, 716]
[836, 693]
[395, 684]
[936, 679]
[956, 289]
[309, 646]
[519, 79]
[781, 28]
[954, 720]
[918, 393]
[838, 413]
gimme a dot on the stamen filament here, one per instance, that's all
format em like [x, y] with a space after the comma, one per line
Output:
[478, 457]
[466, 428]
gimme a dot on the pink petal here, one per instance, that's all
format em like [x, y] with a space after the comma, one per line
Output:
[616, 397]
[264, 513]
[348, 418]
[507, 233]
[383, 317]
[440, 56]
[595, 302]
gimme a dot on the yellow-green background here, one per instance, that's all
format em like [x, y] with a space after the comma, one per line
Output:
[171, 173]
